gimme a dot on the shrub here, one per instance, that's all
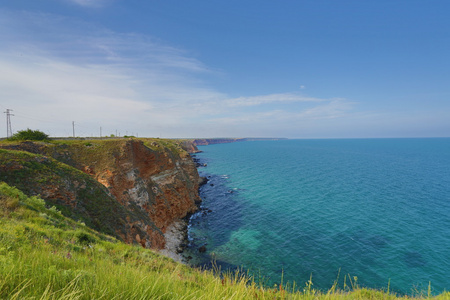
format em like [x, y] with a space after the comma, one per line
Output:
[36, 202]
[29, 135]
[84, 238]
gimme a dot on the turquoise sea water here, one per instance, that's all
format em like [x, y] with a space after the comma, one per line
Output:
[378, 209]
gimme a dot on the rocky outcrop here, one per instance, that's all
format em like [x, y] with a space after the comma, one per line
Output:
[190, 146]
[141, 185]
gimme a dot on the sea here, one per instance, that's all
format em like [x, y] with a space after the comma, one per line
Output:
[357, 212]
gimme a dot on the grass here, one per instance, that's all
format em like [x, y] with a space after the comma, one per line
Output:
[44, 255]
[79, 152]
[34, 174]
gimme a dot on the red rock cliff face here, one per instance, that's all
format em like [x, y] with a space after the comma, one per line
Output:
[155, 181]
[161, 183]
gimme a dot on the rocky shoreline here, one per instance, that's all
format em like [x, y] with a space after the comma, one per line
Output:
[176, 235]
[176, 238]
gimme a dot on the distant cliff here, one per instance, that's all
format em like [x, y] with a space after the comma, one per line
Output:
[132, 189]
[204, 142]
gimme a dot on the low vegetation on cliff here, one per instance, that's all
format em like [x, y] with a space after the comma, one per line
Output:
[29, 135]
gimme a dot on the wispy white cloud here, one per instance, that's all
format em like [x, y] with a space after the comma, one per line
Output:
[93, 76]
[324, 118]
[89, 3]
[332, 109]
[273, 98]
[82, 42]
[56, 70]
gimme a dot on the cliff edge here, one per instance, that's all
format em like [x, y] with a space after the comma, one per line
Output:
[132, 189]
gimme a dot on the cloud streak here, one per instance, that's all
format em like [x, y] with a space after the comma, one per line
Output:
[273, 98]
[89, 3]
[76, 71]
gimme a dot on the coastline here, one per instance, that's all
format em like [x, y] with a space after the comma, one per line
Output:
[176, 235]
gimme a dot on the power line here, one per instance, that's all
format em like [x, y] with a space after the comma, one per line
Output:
[8, 122]
[24, 116]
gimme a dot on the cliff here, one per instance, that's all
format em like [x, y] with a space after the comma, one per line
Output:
[205, 142]
[132, 189]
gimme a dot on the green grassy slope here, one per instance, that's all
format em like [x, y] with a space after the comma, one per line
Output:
[79, 152]
[75, 193]
[44, 255]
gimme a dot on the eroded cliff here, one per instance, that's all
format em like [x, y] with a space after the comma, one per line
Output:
[133, 189]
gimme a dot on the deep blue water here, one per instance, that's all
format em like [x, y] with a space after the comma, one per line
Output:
[378, 209]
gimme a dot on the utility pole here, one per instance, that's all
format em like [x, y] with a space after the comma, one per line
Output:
[100, 131]
[8, 122]
[73, 128]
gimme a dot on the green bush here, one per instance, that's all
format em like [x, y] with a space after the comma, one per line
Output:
[29, 135]
[84, 238]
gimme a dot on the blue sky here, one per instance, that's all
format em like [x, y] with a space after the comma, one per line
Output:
[296, 69]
